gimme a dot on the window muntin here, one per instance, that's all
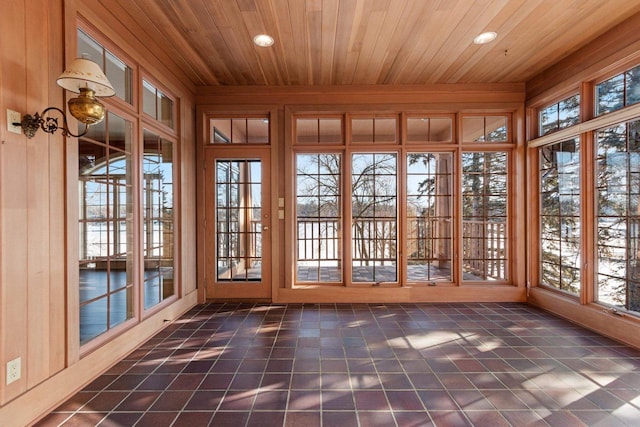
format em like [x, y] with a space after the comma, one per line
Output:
[485, 129]
[158, 219]
[618, 215]
[116, 70]
[323, 130]
[560, 115]
[429, 216]
[484, 215]
[156, 104]
[560, 225]
[374, 222]
[239, 130]
[105, 191]
[429, 129]
[318, 217]
[376, 130]
[618, 91]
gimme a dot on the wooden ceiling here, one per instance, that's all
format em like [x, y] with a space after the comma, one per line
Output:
[360, 42]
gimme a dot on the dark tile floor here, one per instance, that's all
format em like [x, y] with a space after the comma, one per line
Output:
[365, 365]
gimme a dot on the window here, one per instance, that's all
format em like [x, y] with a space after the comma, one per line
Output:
[374, 211]
[118, 73]
[318, 217]
[240, 130]
[619, 91]
[560, 115]
[560, 224]
[485, 129]
[618, 215]
[429, 216]
[382, 130]
[156, 104]
[158, 218]
[105, 191]
[325, 130]
[429, 129]
[484, 215]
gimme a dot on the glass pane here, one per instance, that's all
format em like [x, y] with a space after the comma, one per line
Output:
[220, 131]
[239, 220]
[90, 49]
[362, 130]
[374, 217]
[165, 109]
[93, 319]
[258, 131]
[560, 223]
[440, 130]
[238, 131]
[429, 214]
[473, 129]
[633, 86]
[149, 99]
[119, 74]
[610, 95]
[496, 128]
[105, 225]
[307, 131]
[318, 220]
[330, 131]
[549, 119]
[158, 225]
[484, 221]
[385, 130]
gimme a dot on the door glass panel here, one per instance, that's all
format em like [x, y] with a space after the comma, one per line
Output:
[238, 220]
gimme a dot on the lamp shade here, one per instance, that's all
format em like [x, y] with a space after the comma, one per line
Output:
[84, 73]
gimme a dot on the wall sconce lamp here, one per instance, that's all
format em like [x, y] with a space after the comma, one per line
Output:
[82, 76]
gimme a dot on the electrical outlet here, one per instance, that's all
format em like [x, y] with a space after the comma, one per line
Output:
[13, 370]
[13, 117]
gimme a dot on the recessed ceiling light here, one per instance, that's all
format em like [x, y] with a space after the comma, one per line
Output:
[263, 40]
[483, 38]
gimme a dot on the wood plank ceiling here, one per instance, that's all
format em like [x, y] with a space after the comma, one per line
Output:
[359, 42]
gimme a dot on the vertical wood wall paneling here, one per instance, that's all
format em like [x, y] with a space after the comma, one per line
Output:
[57, 284]
[13, 202]
[37, 238]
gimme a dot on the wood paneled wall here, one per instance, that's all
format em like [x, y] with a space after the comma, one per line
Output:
[35, 318]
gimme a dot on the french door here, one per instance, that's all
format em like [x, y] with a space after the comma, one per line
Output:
[238, 224]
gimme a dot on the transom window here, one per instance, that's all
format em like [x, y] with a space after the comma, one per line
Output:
[560, 115]
[239, 130]
[116, 70]
[156, 104]
[618, 91]
[485, 129]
